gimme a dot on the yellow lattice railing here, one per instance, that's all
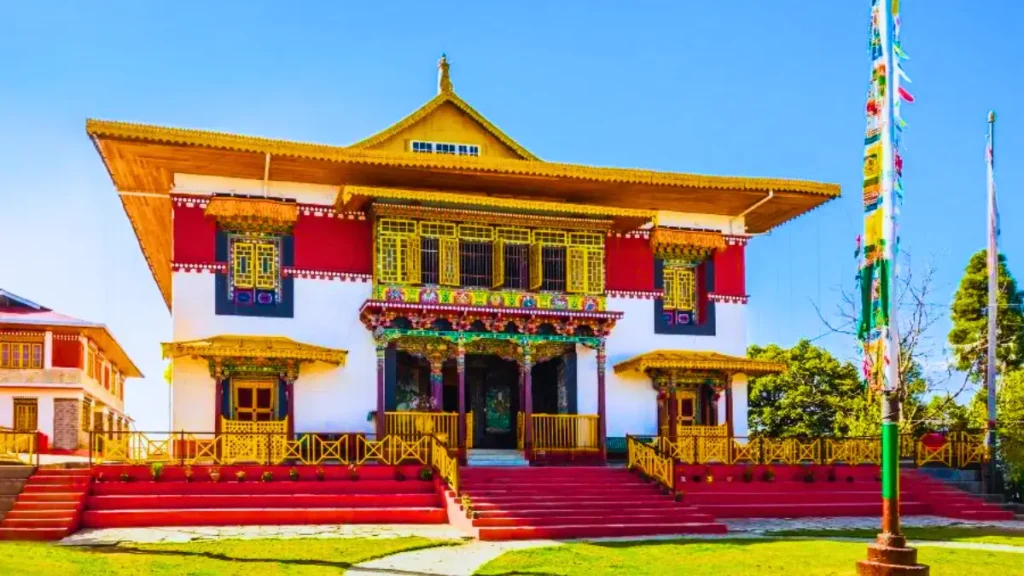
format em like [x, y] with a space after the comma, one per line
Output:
[565, 432]
[257, 442]
[18, 447]
[696, 430]
[959, 450]
[447, 466]
[443, 425]
[645, 458]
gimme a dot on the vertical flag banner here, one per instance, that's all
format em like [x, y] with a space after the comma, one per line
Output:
[883, 195]
[993, 278]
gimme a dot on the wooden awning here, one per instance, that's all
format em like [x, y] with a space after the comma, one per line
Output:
[253, 213]
[698, 361]
[670, 243]
[268, 347]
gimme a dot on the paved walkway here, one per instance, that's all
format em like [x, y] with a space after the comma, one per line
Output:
[462, 560]
[111, 536]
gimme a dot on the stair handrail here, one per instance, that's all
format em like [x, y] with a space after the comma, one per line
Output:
[650, 461]
[444, 464]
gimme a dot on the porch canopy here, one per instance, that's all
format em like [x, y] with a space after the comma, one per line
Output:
[689, 385]
[241, 355]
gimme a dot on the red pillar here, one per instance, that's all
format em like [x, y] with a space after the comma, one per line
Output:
[436, 385]
[460, 365]
[728, 408]
[218, 405]
[289, 390]
[381, 349]
[602, 422]
[673, 409]
[527, 367]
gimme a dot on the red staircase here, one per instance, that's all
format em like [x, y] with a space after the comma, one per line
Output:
[855, 491]
[949, 501]
[377, 497]
[48, 507]
[574, 502]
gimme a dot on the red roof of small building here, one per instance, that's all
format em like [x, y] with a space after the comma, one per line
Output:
[17, 312]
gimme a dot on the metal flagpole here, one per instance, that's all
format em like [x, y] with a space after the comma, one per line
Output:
[883, 191]
[993, 299]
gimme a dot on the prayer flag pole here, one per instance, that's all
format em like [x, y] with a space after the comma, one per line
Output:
[883, 192]
[993, 299]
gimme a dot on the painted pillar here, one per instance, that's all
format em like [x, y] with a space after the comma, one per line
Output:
[720, 411]
[289, 392]
[527, 368]
[436, 384]
[728, 410]
[218, 403]
[381, 348]
[673, 408]
[602, 412]
[460, 366]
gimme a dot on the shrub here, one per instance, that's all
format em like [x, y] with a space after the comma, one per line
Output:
[768, 475]
[240, 475]
[156, 470]
[831, 474]
[293, 474]
[125, 477]
[320, 474]
[748, 474]
[189, 474]
[426, 473]
[267, 476]
[808, 475]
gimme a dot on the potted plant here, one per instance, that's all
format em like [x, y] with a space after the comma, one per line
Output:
[267, 476]
[399, 475]
[353, 472]
[467, 505]
[189, 474]
[768, 475]
[126, 477]
[100, 478]
[426, 473]
[678, 497]
[708, 475]
[748, 474]
[240, 476]
[808, 475]
[831, 474]
[320, 474]
[849, 479]
[293, 474]
[214, 475]
[156, 470]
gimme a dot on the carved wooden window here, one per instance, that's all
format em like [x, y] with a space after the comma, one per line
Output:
[21, 355]
[26, 414]
[254, 400]
[255, 273]
[399, 257]
[680, 287]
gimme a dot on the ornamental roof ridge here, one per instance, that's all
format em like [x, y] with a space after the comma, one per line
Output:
[699, 361]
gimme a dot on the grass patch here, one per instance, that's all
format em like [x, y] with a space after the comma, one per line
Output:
[979, 534]
[732, 557]
[304, 556]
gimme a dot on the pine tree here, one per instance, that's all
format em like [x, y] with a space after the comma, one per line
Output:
[969, 335]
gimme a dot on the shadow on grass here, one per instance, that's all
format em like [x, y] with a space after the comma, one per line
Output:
[130, 550]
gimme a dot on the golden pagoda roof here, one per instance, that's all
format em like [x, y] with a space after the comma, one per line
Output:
[142, 160]
[269, 347]
[698, 360]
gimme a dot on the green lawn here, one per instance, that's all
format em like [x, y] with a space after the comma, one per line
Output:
[948, 533]
[732, 557]
[220, 557]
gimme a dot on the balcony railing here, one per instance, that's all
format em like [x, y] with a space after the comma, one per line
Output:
[18, 447]
[443, 425]
[561, 432]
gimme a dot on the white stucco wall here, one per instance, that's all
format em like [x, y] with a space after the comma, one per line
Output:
[44, 410]
[6, 410]
[631, 401]
[327, 398]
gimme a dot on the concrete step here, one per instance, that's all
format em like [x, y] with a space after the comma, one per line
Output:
[15, 472]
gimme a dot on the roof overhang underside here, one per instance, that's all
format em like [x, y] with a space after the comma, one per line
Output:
[253, 347]
[143, 159]
[96, 332]
[697, 361]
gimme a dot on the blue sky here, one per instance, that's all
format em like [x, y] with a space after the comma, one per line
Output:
[735, 87]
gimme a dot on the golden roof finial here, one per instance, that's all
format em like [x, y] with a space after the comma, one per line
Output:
[444, 81]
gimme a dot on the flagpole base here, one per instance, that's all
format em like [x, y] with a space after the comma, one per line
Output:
[890, 556]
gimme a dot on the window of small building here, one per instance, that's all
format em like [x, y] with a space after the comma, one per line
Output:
[21, 355]
[26, 414]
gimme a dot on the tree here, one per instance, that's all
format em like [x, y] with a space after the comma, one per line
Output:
[807, 399]
[969, 335]
[1010, 422]
[916, 315]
